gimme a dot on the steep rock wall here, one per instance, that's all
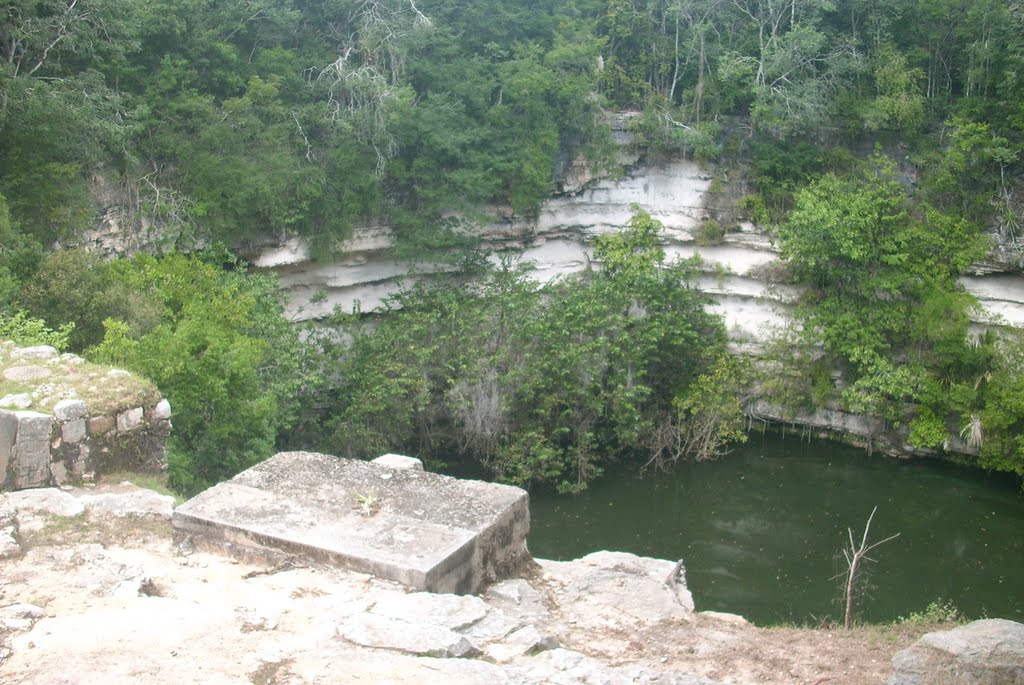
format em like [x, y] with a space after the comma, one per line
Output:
[736, 270]
[556, 242]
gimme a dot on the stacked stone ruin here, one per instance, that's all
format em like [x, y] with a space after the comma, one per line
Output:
[74, 443]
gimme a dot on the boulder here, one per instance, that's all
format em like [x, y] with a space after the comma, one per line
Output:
[24, 374]
[420, 639]
[989, 652]
[161, 411]
[20, 400]
[37, 352]
[69, 410]
[615, 588]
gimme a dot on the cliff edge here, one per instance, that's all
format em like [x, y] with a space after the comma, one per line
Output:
[93, 590]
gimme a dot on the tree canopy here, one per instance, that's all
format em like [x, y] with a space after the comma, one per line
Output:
[229, 122]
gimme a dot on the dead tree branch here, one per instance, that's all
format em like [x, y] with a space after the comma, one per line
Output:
[854, 556]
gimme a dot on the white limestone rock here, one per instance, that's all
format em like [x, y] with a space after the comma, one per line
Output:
[20, 400]
[162, 410]
[44, 501]
[130, 420]
[36, 352]
[610, 588]
[420, 639]
[989, 652]
[398, 461]
[9, 546]
[454, 612]
[526, 641]
[69, 410]
[25, 374]
[135, 503]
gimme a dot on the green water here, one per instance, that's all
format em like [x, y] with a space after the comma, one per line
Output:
[761, 531]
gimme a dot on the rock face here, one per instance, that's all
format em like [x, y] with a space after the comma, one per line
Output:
[738, 270]
[557, 242]
[989, 652]
[77, 423]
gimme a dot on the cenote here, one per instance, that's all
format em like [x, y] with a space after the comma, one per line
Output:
[761, 530]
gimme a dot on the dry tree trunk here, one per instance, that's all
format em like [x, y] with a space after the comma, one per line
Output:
[854, 556]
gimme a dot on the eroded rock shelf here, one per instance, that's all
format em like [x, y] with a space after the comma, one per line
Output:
[737, 270]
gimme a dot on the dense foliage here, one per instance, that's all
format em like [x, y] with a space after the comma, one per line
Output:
[213, 340]
[539, 384]
[228, 121]
[238, 119]
[884, 305]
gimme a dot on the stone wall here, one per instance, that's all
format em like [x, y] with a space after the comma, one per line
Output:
[72, 422]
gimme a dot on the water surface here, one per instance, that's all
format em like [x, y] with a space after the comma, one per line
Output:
[761, 531]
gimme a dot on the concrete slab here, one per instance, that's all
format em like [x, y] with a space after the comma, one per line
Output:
[427, 531]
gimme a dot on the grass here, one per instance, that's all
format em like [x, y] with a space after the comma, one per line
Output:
[150, 481]
[267, 672]
[121, 531]
[105, 394]
[937, 615]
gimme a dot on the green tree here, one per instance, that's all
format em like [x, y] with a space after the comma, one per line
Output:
[882, 285]
[540, 385]
[224, 356]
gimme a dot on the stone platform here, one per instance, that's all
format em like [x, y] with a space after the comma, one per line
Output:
[427, 531]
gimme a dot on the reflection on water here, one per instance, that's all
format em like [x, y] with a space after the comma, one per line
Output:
[762, 530]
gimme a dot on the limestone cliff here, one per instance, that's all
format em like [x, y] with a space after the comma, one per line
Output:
[738, 268]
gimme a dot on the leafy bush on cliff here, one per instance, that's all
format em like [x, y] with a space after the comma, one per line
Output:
[220, 351]
[538, 384]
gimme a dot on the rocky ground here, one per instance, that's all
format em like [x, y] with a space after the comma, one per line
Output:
[92, 590]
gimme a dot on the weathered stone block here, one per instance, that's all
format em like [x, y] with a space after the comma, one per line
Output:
[398, 461]
[34, 426]
[32, 449]
[8, 435]
[100, 425]
[130, 420]
[73, 431]
[428, 531]
[989, 652]
[69, 410]
[162, 411]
